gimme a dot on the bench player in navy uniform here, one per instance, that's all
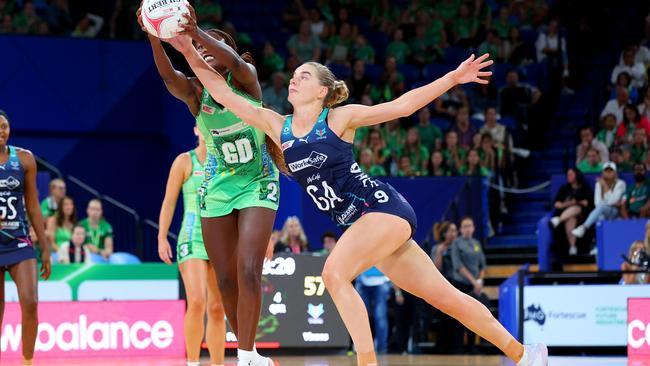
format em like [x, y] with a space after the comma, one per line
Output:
[19, 200]
[317, 145]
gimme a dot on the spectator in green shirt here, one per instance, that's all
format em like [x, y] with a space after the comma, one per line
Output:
[394, 135]
[7, 8]
[368, 166]
[637, 197]
[340, 45]
[208, 14]
[391, 84]
[377, 144]
[329, 242]
[272, 62]
[304, 45]
[473, 165]
[422, 47]
[492, 45]
[50, 204]
[438, 168]
[448, 9]
[413, 148]
[27, 20]
[405, 168]
[453, 154]
[364, 51]
[639, 146]
[591, 164]
[608, 134]
[502, 23]
[99, 233]
[465, 26]
[398, 48]
[430, 135]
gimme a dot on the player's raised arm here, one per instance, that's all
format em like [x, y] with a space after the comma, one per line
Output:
[358, 115]
[265, 119]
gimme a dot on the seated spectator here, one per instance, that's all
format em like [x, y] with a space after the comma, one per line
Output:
[319, 27]
[607, 199]
[473, 165]
[368, 165]
[99, 233]
[304, 45]
[592, 163]
[491, 157]
[405, 168]
[422, 47]
[339, 46]
[377, 144]
[358, 83]
[395, 136]
[624, 80]
[500, 135]
[7, 26]
[275, 95]
[635, 253]
[328, 239]
[492, 45]
[398, 48]
[363, 51]
[468, 271]
[639, 146]
[88, 27]
[480, 97]
[635, 69]
[465, 26]
[515, 94]
[465, 130]
[516, 51]
[587, 142]
[26, 21]
[632, 120]
[641, 53]
[374, 288]
[448, 104]
[622, 159]
[636, 201]
[438, 168]
[59, 227]
[607, 136]
[50, 204]
[417, 153]
[644, 107]
[75, 250]
[616, 106]
[208, 14]
[502, 23]
[552, 50]
[430, 134]
[290, 67]
[272, 62]
[570, 206]
[453, 154]
[391, 83]
[441, 253]
[293, 238]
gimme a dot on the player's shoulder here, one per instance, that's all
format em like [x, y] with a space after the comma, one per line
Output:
[25, 155]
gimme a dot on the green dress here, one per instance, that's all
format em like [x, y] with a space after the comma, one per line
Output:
[239, 172]
[190, 238]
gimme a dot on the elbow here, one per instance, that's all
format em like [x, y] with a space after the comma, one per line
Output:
[403, 109]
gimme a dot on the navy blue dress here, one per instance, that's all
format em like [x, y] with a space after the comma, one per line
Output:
[15, 245]
[324, 166]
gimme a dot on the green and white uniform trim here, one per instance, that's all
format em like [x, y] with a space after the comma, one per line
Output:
[190, 238]
[239, 171]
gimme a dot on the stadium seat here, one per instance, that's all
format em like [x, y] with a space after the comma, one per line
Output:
[97, 258]
[410, 72]
[373, 71]
[435, 71]
[456, 55]
[442, 123]
[123, 258]
[340, 71]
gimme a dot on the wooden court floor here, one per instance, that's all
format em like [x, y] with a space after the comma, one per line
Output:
[419, 360]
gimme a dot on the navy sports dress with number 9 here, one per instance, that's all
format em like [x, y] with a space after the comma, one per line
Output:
[324, 166]
[15, 245]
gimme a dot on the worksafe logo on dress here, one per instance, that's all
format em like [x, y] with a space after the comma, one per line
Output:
[315, 160]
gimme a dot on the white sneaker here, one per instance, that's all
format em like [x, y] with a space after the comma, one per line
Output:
[534, 355]
[593, 252]
[578, 232]
[264, 361]
[573, 250]
[555, 221]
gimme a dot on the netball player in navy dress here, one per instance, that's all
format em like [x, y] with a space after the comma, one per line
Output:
[317, 144]
[19, 199]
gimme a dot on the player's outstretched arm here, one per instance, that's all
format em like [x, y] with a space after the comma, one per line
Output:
[359, 115]
[265, 119]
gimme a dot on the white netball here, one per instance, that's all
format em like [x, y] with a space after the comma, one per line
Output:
[163, 18]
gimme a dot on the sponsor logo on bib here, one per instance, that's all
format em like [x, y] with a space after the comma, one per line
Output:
[315, 160]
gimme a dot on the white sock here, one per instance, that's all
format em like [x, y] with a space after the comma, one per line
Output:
[193, 363]
[245, 357]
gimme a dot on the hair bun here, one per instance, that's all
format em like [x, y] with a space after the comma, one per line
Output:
[340, 93]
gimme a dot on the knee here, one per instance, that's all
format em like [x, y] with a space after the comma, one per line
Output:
[216, 310]
[250, 274]
[195, 304]
[334, 277]
[28, 305]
